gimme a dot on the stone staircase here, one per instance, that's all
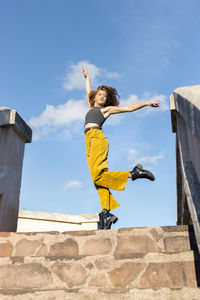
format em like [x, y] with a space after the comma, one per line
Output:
[129, 263]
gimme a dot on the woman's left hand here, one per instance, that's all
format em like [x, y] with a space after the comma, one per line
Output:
[154, 103]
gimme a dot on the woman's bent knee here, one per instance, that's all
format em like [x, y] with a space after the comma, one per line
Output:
[97, 176]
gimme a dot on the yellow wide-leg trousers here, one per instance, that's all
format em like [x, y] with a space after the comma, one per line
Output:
[96, 152]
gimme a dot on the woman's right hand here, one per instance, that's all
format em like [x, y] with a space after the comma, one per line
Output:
[84, 71]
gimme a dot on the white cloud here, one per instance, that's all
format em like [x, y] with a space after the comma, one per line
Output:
[133, 99]
[73, 184]
[151, 159]
[164, 102]
[135, 157]
[60, 117]
[74, 78]
[55, 117]
[133, 153]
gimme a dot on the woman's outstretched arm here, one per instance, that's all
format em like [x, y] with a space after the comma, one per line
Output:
[87, 84]
[109, 110]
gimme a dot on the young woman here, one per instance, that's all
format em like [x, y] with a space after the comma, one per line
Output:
[102, 103]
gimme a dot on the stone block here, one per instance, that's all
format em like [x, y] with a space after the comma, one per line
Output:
[124, 275]
[102, 263]
[178, 228]
[4, 234]
[67, 248]
[6, 249]
[136, 244]
[174, 274]
[71, 273]
[156, 234]
[42, 251]
[176, 243]
[98, 280]
[96, 246]
[27, 247]
[25, 276]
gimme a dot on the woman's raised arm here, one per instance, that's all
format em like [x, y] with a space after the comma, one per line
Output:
[87, 84]
[109, 110]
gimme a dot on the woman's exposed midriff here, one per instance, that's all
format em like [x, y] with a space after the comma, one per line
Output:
[88, 125]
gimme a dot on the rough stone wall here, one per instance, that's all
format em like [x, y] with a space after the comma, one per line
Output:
[125, 242]
[128, 263]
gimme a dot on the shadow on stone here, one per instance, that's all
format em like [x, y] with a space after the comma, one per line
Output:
[194, 248]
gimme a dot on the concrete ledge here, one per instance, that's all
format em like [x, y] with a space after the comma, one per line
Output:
[187, 104]
[9, 117]
[45, 221]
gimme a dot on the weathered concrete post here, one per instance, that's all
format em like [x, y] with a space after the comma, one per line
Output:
[14, 133]
[185, 113]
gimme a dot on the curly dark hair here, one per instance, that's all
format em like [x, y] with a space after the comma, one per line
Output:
[112, 96]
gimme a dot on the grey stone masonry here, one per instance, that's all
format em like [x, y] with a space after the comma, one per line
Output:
[185, 113]
[14, 133]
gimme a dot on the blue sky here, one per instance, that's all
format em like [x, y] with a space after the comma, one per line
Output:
[143, 48]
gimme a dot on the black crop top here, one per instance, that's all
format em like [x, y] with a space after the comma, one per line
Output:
[94, 115]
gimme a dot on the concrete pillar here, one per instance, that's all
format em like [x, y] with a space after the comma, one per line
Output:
[14, 133]
[185, 112]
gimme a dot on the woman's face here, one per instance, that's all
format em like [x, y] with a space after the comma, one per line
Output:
[100, 98]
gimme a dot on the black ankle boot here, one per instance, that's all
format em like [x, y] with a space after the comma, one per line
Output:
[139, 172]
[101, 221]
[106, 219]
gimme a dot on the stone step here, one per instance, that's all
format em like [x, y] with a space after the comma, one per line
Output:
[152, 270]
[102, 293]
[120, 241]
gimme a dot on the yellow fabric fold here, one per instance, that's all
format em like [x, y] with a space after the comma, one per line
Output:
[96, 152]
